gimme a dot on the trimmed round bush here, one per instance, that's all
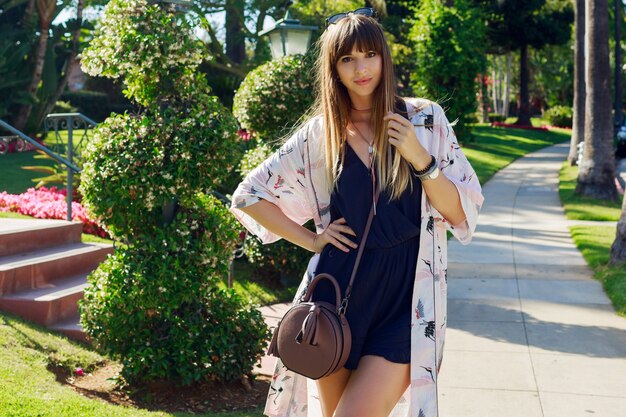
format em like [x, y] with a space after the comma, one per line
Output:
[156, 304]
[559, 116]
[136, 164]
[273, 96]
[151, 48]
[157, 307]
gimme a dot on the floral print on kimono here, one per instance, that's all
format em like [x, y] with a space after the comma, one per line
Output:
[293, 178]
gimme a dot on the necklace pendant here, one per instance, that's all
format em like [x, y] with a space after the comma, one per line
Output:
[371, 149]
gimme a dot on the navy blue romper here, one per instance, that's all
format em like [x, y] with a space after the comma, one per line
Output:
[380, 306]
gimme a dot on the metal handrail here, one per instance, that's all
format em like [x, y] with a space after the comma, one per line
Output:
[69, 122]
[38, 146]
[71, 168]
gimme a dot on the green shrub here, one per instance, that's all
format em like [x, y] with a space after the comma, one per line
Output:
[281, 259]
[154, 51]
[495, 117]
[156, 304]
[136, 164]
[559, 116]
[273, 96]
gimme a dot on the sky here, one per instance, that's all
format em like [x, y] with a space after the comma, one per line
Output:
[216, 19]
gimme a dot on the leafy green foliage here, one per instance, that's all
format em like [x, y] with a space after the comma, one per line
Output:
[553, 74]
[147, 177]
[281, 259]
[164, 285]
[138, 163]
[274, 95]
[559, 116]
[514, 23]
[449, 47]
[13, 81]
[154, 51]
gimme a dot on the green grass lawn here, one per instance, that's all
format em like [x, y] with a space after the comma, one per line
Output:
[594, 242]
[14, 179]
[493, 148]
[258, 290]
[536, 121]
[28, 386]
[583, 208]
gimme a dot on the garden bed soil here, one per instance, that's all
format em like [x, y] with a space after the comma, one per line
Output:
[199, 398]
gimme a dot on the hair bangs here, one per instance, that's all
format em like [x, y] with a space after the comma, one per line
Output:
[355, 32]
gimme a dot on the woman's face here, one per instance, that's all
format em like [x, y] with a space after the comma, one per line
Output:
[360, 73]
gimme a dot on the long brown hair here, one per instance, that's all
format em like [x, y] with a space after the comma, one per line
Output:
[333, 101]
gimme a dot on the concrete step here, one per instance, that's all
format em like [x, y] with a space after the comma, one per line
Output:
[42, 268]
[54, 303]
[71, 328]
[29, 235]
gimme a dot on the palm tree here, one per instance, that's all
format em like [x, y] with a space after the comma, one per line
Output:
[578, 123]
[47, 11]
[597, 168]
[618, 249]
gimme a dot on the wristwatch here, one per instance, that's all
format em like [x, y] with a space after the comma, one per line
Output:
[430, 175]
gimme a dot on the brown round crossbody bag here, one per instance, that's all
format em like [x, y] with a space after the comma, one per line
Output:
[313, 338]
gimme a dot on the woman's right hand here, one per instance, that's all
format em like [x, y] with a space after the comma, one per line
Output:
[335, 234]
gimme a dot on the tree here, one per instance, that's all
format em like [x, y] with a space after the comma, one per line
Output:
[46, 10]
[14, 50]
[520, 24]
[35, 62]
[147, 176]
[617, 11]
[449, 50]
[618, 249]
[597, 168]
[578, 124]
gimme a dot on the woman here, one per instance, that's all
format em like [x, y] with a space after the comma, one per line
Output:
[362, 136]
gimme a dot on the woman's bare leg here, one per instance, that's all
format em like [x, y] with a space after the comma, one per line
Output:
[374, 388]
[330, 389]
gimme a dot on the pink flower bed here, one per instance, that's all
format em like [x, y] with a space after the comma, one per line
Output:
[49, 203]
[544, 127]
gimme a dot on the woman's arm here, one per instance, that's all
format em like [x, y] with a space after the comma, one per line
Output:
[273, 219]
[444, 196]
[441, 192]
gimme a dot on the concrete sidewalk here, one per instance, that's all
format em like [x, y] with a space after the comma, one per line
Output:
[530, 332]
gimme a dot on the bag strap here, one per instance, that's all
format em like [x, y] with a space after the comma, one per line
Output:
[402, 109]
[344, 302]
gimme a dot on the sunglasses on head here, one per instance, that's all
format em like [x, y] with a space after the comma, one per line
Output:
[365, 11]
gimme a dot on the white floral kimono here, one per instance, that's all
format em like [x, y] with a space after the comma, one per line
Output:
[293, 178]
